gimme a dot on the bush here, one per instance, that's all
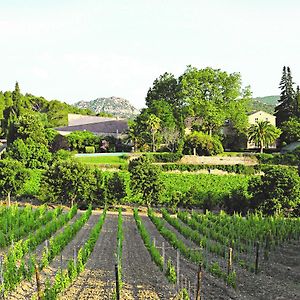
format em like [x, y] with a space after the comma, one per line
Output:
[238, 168]
[89, 149]
[166, 157]
[275, 192]
[236, 201]
[203, 143]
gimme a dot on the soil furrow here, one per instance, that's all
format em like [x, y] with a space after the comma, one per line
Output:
[142, 278]
[27, 289]
[212, 288]
[98, 279]
[249, 285]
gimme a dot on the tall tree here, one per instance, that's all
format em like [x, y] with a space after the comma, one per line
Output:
[12, 177]
[287, 103]
[208, 94]
[263, 134]
[145, 179]
[153, 124]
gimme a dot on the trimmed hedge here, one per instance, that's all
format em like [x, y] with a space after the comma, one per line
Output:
[166, 157]
[238, 168]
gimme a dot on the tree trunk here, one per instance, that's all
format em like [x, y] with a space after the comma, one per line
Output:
[261, 147]
[153, 143]
[8, 198]
[72, 202]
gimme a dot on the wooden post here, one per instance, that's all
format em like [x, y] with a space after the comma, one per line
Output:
[117, 282]
[154, 241]
[163, 255]
[178, 267]
[1, 270]
[189, 289]
[257, 257]
[229, 261]
[199, 283]
[38, 283]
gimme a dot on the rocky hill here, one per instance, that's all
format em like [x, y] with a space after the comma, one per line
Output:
[115, 106]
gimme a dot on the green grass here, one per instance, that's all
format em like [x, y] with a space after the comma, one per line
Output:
[111, 160]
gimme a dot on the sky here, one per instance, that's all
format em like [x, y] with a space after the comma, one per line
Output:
[80, 50]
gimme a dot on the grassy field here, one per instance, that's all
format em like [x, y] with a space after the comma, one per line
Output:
[112, 160]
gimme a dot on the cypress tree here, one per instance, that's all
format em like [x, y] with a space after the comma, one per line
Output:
[287, 106]
[297, 102]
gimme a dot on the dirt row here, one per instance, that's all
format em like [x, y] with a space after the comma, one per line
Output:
[142, 279]
[271, 283]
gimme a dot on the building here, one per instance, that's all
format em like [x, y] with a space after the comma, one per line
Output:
[259, 116]
[101, 126]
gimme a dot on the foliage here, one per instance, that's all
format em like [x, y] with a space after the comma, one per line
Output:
[28, 125]
[211, 95]
[204, 144]
[276, 191]
[290, 130]
[116, 189]
[165, 157]
[287, 106]
[12, 177]
[238, 168]
[145, 179]
[263, 134]
[68, 181]
[30, 153]
[237, 201]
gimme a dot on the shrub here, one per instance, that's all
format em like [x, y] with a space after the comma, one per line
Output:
[203, 143]
[89, 149]
[236, 201]
[167, 157]
[277, 191]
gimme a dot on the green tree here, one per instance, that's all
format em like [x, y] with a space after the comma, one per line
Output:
[164, 88]
[69, 181]
[116, 189]
[202, 144]
[276, 191]
[263, 134]
[153, 124]
[28, 125]
[30, 153]
[290, 130]
[207, 95]
[145, 179]
[12, 177]
[287, 103]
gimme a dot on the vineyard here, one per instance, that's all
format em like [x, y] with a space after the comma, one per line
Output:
[144, 253]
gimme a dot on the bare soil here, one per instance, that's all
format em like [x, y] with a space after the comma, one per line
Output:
[274, 280]
[27, 289]
[98, 279]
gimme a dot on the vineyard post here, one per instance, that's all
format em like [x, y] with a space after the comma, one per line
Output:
[154, 242]
[257, 256]
[117, 282]
[38, 283]
[163, 255]
[199, 283]
[189, 288]
[229, 261]
[177, 269]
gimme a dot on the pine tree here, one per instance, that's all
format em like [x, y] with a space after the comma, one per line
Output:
[287, 105]
[297, 102]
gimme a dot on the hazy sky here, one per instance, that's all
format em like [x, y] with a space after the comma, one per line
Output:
[80, 50]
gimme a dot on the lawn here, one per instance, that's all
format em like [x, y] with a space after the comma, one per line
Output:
[112, 160]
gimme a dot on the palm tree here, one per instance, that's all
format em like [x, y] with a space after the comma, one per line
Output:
[263, 134]
[153, 123]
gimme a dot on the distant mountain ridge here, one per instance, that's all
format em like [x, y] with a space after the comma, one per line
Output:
[115, 106]
[267, 103]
